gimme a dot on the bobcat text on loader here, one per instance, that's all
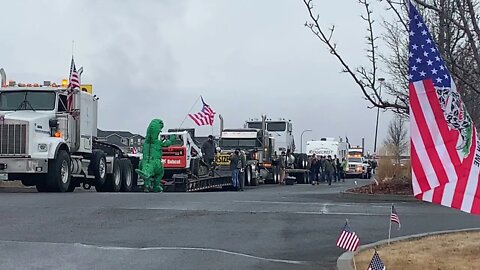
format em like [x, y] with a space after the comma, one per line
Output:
[44, 145]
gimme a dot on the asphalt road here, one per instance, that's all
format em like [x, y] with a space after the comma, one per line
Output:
[266, 227]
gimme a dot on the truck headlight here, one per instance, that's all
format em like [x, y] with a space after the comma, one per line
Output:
[42, 147]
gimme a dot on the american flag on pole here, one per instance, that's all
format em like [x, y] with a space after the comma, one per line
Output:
[394, 217]
[376, 263]
[204, 117]
[74, 83]
[348, 240]
[444, 155]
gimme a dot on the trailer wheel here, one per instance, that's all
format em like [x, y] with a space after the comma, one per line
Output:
[98, 167]
[59, 172]
[127, 174]
[113, 182]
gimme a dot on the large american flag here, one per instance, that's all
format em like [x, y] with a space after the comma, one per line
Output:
[444, 156]
[348, 240]
[74, 83]
[394, 217]
[376, 263]
[204, 117]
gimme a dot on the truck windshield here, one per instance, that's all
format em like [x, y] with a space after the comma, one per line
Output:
[241, 143]
[27, 100]
[255, 125]
[276, 126]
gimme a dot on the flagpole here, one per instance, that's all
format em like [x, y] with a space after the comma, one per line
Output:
[354, 264]
[196, 101]
[390, 227]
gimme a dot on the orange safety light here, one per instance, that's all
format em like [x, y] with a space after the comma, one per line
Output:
[64, 83]
[36, 85]
[21, 85]
[57, 134]
[29, 85]
[54, 85]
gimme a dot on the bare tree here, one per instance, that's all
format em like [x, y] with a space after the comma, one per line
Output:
[455, 27]
[397, 139]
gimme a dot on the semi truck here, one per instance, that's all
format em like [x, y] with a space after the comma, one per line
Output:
[260, 147]
[48, 140]
[357, 165]
[281, 130]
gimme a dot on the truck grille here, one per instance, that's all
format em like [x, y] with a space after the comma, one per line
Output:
[13, 139]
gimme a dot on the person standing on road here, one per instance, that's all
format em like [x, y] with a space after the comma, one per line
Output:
[344, 168]
[314, 164]
[329, 169]
[322, 168]
[235, 163]
[282, 164]
[242, 164]
[208, 152]
[339, 170]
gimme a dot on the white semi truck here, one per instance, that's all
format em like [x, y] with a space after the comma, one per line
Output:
[44, 144]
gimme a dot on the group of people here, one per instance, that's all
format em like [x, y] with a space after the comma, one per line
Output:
[327, 169]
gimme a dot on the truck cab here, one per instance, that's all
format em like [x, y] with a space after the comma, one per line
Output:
[48, 140]
[258, 149]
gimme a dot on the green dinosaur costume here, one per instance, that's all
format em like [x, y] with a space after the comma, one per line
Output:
[151, 165]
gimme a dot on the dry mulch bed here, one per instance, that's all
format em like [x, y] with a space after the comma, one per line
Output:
[393, 187]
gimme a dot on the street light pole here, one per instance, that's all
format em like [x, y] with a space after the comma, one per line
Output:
[381, 80]
[301, 140]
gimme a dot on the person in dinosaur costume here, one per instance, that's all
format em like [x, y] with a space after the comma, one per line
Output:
[151, 166]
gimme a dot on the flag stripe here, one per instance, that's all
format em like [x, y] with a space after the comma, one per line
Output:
[425, 134]
[461, 185]
[418, 167]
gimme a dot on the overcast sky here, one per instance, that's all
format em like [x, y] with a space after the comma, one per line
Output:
[154, 58]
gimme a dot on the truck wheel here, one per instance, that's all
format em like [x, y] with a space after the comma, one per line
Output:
[28, 182]
[42, 186]
[254, 181]
[127, 174]
[113, 183]
[59, 172]
[248, 176]
[98, 167]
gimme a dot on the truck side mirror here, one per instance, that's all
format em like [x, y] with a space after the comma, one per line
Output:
[53, 123]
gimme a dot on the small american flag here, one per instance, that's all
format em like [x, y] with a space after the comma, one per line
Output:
[348, 240]
[72, 85]
[376, 263]
[204, 117]
[394, 217]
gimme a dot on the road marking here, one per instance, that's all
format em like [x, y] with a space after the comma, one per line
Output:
[195, 249]
[339, 213]
[318, 203]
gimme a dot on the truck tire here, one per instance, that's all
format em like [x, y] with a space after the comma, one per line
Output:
[98, 167]
[113, 183]
[127, 175]
[59, 172]
[248, 176]
[254, 181]
[42, 186]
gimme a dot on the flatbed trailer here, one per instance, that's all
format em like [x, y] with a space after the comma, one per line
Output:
[184, 183]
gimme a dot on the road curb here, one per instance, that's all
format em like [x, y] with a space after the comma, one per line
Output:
[344, 262]
[377, 197]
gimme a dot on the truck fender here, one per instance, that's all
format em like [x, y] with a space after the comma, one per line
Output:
[54, 150]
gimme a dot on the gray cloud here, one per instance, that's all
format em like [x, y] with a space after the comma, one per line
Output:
[154, 58]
